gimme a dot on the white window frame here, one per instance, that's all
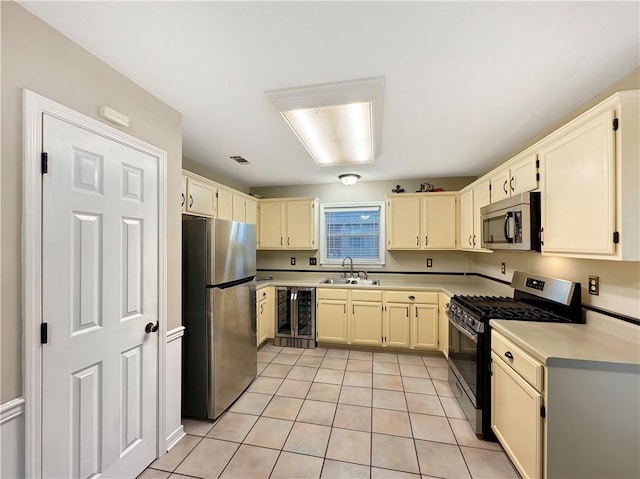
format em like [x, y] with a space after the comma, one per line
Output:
[324, 261]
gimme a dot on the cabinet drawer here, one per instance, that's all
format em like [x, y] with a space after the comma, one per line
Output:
[522, 362]
[362, 295]
[405, 297]
[330, 293]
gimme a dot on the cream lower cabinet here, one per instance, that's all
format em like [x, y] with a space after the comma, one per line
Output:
[264, 315]
[366, 323]
[332, 324]
[516, 405]
[397, 325]
[424, 326]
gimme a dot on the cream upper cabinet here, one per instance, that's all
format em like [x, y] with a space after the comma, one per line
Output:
[302, 224]
[239, 208]
[251, 211]
[288, 223]
[466, 219]
[271, 225]
[481, 197]
[578, 198]
[201, 197]
[183, 198]
[517, 176]
[403, 222]
[225, 204]
[422, 221]
[439, 219]
[424, 326]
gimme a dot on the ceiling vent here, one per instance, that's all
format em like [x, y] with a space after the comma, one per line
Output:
[241, 160]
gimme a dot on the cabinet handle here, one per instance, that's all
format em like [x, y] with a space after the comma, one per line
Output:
[504, 187]
[417, 241]
[509, 355]
[190, 201]
[261, 308]
[353, 309]
[474, 240]
[541, 236]
[281, 244]
[288, 241]
[426, 240]
[345, 308]
[416, 313]
[513, 178]
[470, 240]
[407, 311]
[183, 200]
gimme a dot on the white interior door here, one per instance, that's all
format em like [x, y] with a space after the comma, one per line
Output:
[99, 291]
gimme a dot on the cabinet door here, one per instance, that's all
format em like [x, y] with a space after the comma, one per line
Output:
[225, 205]
[271, 225]
[515, 418]
[366, 323]
[439, 222]
[424, 327]
[403, 222]
[481, 197]
[301, 227]
[238, 210]
[183, 200]
[262, 314]
[397, 329]
[201, 198]
[331, 321]
[578, 193]
[251, 211]
[500, 185]
[466, 220]
[524, 175]
[443, 325]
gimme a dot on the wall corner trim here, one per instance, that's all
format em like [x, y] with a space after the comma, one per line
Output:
[175, 333]
[11, 410]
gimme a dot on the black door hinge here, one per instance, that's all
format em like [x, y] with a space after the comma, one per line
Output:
[616, 123]
[489, 186]
[44, 162]
[537, 176]
[616, 237]
[543, 411]
[44, 333]
[537, 163]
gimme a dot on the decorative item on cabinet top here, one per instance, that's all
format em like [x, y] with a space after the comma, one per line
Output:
[428, 188]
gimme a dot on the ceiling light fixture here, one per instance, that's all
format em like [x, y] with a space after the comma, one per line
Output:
[338, 123]
[349, 179]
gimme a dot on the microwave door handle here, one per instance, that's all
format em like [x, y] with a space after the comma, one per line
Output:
[507, 217]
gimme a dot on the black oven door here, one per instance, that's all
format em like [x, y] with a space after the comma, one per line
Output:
[463, 357]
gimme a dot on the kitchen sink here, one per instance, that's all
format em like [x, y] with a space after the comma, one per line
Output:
[353, 281]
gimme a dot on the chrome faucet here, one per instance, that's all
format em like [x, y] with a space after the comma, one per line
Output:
[351, 269]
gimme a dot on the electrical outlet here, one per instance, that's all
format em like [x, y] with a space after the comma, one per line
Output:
[594, 285]
[429, 262]
[503, 268]
[293, 261]
[313, 261]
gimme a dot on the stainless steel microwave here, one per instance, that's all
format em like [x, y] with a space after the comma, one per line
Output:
[512, 223]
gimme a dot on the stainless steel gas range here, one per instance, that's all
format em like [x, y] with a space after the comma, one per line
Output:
[535, 298]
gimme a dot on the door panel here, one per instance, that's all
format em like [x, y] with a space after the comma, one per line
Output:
[366, 320]
[397, 325]
[332, 321]
[300, 224]
[403, 222]
[99, 290]
[271, 225]
[424, 329]
[439, 222]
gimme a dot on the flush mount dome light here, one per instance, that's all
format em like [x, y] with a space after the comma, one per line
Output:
[338, 123]
[349, 179]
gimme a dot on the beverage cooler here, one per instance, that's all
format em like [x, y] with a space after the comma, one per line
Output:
[295, 317]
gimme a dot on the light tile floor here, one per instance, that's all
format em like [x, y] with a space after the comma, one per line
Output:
[335, 413]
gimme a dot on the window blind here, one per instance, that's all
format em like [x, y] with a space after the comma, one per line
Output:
[352, 231]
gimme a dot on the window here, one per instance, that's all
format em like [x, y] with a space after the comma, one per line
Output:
[353, 230]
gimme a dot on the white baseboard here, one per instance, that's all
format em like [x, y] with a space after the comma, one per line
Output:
[12, 439]
[173, 404]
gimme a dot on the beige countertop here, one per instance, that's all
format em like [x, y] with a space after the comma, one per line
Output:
[451, 285]
[572, 345]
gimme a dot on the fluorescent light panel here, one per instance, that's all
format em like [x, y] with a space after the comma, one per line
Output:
[335, 135]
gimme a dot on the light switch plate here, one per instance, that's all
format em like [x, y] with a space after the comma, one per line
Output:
[503, 268]
[313, 261]
[429, 263]
[293, 261]
[594, 285]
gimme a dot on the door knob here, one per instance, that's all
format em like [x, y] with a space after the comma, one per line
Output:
[151, 327]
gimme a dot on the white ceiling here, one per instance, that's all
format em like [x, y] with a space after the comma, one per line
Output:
[466, 83]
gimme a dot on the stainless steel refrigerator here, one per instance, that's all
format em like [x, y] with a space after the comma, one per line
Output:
[218, 313]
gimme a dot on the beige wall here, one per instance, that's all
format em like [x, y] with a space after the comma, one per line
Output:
[39, 58]
[364, 191]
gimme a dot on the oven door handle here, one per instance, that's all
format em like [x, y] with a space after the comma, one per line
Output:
[472, 337]
[507, 217]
